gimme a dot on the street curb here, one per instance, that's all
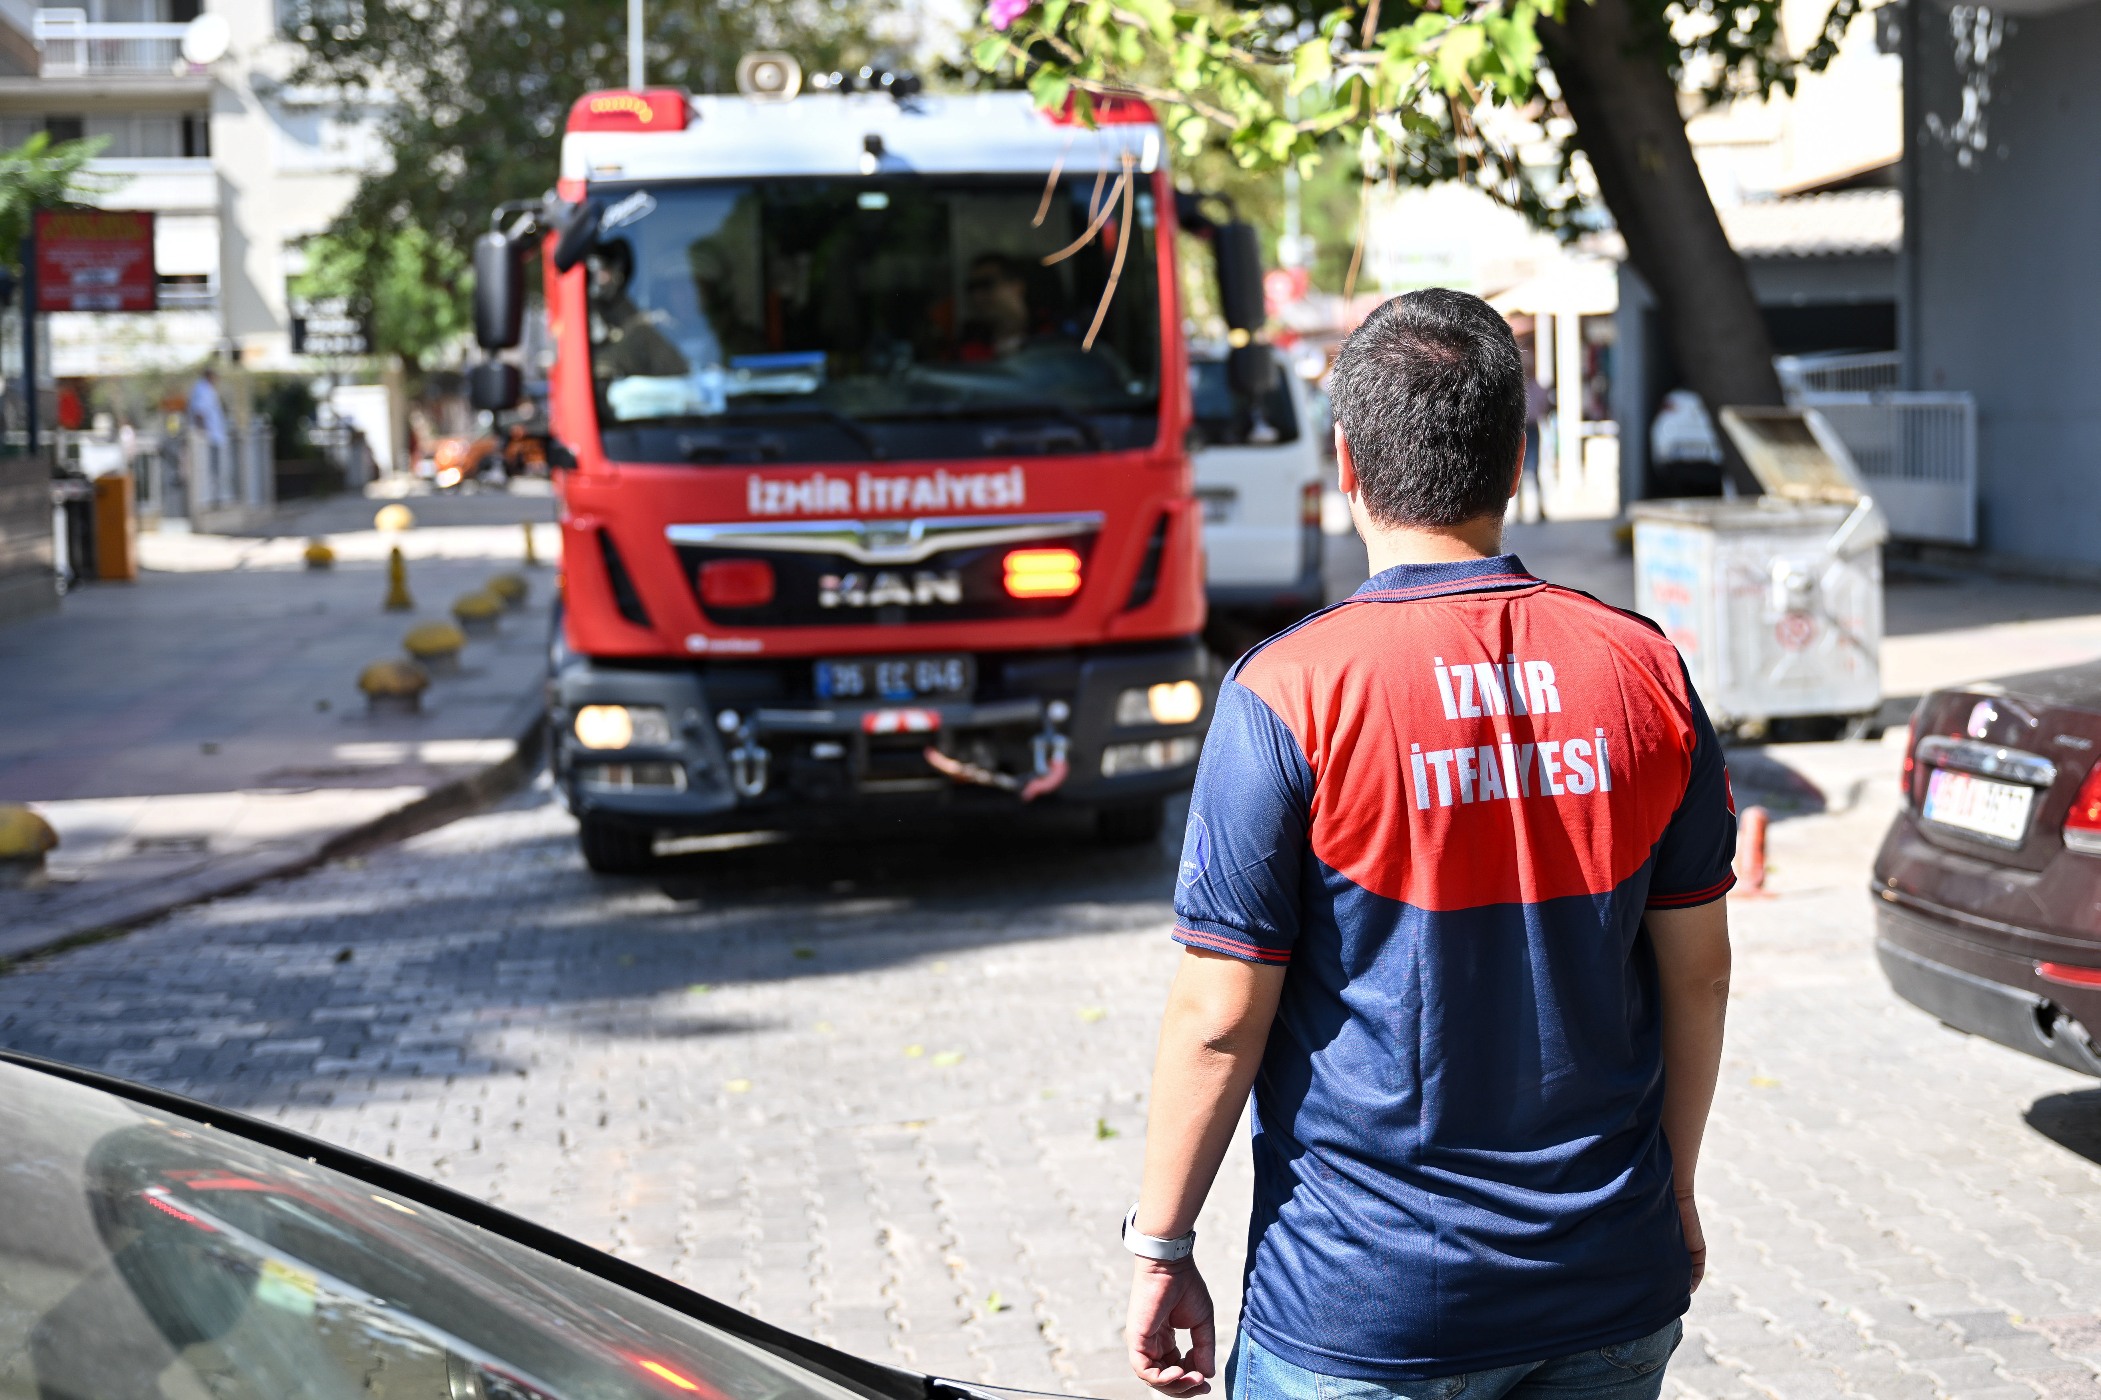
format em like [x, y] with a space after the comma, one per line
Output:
[443, 803]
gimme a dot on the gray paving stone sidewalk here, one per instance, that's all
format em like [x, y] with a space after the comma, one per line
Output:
[202, 728]
[891, 1092]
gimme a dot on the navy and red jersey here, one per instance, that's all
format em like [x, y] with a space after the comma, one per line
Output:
[1444, 804]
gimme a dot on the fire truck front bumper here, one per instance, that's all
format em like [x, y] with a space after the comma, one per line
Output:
[717, 747]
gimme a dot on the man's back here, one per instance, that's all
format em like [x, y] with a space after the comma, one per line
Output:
[1446, 804]
[1450, 893]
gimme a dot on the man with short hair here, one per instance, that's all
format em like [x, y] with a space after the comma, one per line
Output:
[1450, 895]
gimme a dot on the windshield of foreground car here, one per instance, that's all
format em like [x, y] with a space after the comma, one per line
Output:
[147, 1257]
[855, 308]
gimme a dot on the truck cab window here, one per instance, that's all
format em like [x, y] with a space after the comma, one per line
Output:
[902, 307]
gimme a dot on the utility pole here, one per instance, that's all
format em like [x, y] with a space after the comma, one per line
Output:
[634, 44]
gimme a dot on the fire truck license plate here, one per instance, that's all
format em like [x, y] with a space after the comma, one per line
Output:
[1996, 810]
[897, 678]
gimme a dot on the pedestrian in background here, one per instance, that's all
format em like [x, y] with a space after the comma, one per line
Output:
[1450, 898]
[207, 420]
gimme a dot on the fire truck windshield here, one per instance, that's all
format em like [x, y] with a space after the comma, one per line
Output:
[829, 319]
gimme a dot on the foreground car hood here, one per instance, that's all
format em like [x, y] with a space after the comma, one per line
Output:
[144, 1231]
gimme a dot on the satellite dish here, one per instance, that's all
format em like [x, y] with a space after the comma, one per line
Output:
[205, 40]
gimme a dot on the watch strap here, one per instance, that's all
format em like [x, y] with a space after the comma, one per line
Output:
[1145, 1246]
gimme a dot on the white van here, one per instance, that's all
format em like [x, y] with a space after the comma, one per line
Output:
[1259, 476]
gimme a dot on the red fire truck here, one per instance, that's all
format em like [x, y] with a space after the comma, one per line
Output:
[868, 412]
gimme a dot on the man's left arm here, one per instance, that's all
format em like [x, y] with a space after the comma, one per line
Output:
[1211, 1042]
[1237, 913]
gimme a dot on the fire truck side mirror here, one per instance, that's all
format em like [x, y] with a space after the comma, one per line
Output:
[499, 291]
[494, 385]
[579, 235]
[1236, 249]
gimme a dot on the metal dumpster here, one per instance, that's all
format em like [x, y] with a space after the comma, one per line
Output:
[1775, 602]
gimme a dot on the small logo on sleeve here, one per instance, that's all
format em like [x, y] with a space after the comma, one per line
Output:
[1196, 850]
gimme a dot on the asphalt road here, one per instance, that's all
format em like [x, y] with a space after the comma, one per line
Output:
[890, 1091]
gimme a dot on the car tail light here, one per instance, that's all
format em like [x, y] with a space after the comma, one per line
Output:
[736, 583]
[2067, 975]
[2083, 822]
[1309, 504]
[1911, 760]
[1043, 573]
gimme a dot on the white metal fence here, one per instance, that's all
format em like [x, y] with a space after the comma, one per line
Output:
[238, 474]
[1872, 373]
[1918, 453]
[73, 46]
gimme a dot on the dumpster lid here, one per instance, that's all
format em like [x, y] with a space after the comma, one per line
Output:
[1794, 454]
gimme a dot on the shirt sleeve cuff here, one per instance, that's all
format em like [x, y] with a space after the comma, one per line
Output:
[1692, 899]
[1224, 938]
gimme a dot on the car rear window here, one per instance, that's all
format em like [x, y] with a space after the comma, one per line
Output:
[1224, 419]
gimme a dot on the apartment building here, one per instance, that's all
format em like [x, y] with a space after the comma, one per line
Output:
[240, 167]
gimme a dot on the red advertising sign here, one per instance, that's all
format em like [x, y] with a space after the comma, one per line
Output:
[94, 260]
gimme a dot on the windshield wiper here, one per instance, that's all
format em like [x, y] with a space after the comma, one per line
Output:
[1009, 408]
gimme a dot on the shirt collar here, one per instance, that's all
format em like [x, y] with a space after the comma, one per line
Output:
[1404, 581]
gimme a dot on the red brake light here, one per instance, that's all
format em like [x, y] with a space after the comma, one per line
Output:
[1043, 573]
[1309, 505]
[1911, 744]
[736, 583]
[2066, 975]
[2083, 822]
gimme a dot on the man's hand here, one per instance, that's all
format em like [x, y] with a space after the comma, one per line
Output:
[1167, 1299]
[1695, 1237]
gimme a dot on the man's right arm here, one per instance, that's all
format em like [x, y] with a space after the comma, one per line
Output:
[1692, 968]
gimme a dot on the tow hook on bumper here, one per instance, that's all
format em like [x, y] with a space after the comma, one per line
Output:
[1050, 749]
[748, 760]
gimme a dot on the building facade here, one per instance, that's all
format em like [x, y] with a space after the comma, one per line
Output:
[1999, 299]
[239, 167]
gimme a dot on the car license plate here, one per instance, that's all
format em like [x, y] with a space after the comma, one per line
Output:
[1995, 810]
[897, 678]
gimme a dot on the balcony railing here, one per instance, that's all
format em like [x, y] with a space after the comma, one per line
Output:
[73, 46]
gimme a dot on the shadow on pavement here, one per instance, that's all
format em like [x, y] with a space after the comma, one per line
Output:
[412, 962]
[956, 861]
[2071, 1120]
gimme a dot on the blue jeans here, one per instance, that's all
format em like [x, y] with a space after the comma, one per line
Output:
[1622, 1371]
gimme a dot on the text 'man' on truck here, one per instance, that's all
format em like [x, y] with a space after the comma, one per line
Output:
[869, 413]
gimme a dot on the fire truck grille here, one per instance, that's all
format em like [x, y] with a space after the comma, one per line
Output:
[835, 590]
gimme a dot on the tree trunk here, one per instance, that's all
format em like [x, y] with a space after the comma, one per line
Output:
[1610, 63]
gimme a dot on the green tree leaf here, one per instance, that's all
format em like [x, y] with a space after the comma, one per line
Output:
[1312, 63]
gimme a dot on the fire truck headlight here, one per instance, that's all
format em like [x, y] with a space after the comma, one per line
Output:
[1170, 702]
[623, 726]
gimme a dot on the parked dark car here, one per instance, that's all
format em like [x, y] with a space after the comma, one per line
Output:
[151, 1246]
[1988, 886]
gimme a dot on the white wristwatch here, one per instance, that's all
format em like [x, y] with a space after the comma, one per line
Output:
[1152, 1246]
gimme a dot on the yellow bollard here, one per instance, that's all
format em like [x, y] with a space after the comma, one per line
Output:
[392, 686]
[532, 556]
[477, 612]
[398, 599]
[319, 555]
[24, 838]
